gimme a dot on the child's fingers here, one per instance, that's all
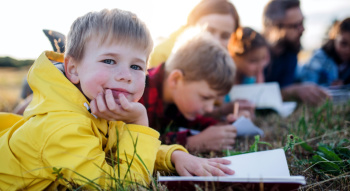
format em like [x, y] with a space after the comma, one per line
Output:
[110, 101]
[124, 102]
[214, 170]
[229, 141]
[183, 172]
[220, 160]
[230, 118]
[230, 128]
[102, 110]
[100, 102]
[93, 106]
[204, 171]
[222, 170]
[230, 135]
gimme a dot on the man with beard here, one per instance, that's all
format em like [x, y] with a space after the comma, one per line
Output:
[283, 28]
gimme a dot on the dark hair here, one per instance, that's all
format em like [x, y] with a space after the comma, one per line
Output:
[337, 28]
[245, 40]
[207, 7]
[275, 11]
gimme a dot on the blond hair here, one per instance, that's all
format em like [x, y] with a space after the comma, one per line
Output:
[201, 57]
[109, 26]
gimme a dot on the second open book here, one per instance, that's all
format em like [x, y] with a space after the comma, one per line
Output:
[264, 96]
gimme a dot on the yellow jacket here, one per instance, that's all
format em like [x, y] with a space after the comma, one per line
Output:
[57, 130]
[163, 50]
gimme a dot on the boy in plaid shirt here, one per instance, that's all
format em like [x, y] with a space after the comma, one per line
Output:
[184, 88]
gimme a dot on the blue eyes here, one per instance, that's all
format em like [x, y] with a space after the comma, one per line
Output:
[135, 67]
[110, 62]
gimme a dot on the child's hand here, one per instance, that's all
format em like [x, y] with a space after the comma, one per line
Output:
[213, 138]
[311, 94]
[246, 108]
[104, 106]
[189, 165]
[230, 118]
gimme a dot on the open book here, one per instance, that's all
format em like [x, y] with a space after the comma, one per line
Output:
[253, 171]
[264, 96]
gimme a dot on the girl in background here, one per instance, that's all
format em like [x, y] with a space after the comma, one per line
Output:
[330, 65]
[250, 52]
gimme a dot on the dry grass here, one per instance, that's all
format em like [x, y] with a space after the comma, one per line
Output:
[10, 87]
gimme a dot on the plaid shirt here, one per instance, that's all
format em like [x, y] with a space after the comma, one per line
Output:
[166, 118]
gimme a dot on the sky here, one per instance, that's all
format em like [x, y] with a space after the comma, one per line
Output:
[22, 21]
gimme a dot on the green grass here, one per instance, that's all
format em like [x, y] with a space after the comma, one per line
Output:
[316, 141]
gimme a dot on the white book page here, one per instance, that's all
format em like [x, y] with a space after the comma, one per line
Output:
[263, 164]
[287, 108]
[263, 95]
[245, 127]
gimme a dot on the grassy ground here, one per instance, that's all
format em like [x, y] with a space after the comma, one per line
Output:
[10, 86]
[316, 139]
[319, 145]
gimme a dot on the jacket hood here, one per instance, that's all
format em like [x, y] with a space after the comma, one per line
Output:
[52, 91]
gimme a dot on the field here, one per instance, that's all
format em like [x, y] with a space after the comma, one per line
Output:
[10, 86]
[316, 139]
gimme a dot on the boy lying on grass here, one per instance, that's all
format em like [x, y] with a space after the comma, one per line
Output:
[106, 54]
[184, 88]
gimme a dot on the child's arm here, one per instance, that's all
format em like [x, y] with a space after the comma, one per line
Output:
[81, 154]
[104, 106]
[189, 165]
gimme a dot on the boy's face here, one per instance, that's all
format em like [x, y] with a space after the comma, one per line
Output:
[194, 98]
[118, 67]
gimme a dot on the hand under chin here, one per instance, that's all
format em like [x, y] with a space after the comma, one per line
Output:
[117, 101]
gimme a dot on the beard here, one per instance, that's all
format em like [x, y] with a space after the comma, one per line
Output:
[290, 46]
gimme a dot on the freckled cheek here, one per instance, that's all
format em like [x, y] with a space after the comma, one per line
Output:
[95, 83]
